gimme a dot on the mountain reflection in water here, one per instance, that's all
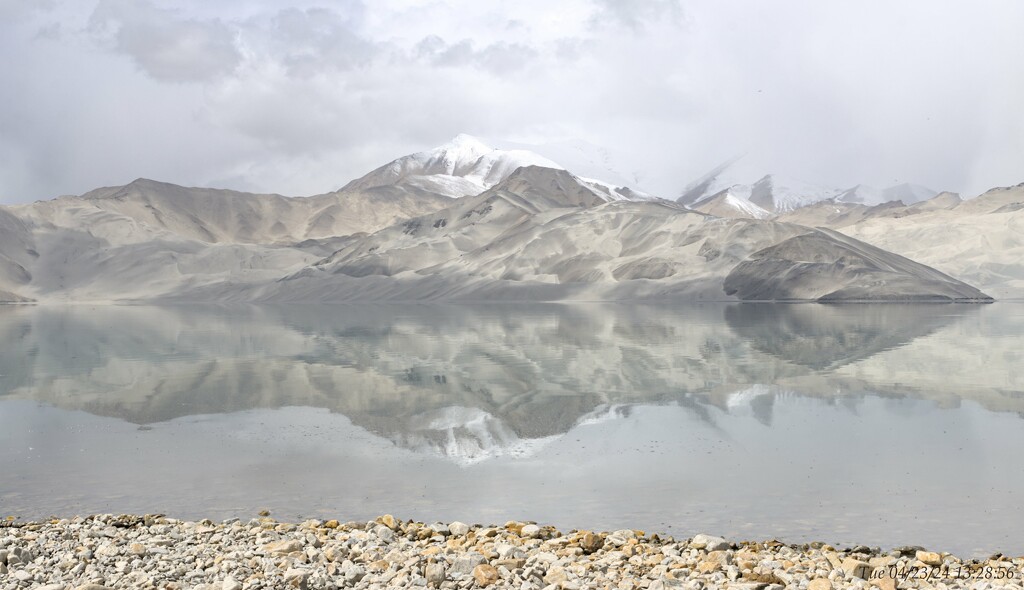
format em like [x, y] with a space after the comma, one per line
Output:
[529, 386]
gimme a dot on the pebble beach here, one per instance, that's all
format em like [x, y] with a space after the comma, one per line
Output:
[153, 551]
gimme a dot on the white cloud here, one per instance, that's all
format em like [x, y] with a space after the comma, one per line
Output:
[299, 100]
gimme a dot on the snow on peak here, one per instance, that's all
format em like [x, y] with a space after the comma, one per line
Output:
[778, 194]
[462, 149]
[870, 196]
[467, 165]
[770, 193]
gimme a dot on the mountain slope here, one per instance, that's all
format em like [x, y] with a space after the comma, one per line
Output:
[542, 235]
[980, 240]
[223, 216]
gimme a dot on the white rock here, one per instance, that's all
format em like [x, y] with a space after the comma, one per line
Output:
[530, 531]
[709, 543]
[435, 574]
[458, 528]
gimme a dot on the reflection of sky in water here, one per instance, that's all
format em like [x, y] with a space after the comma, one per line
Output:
[860, 424]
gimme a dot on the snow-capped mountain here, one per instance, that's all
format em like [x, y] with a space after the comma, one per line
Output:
[722, 192]
[770, 193]
[464, 166]
[585, 160]
[467, 166]
[867, 195]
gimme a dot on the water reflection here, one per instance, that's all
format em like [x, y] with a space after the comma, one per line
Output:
[876, 424]
[472, 382]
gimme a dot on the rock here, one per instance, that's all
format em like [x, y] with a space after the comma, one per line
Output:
[709, 543]
[332, 524]
[556, 575]
[709, 566]
[21, 576]
[885, 583]
[352, 573]
[435, 574]
[230, 583]
[856, 568]
[620, 537]
[52, 587]
[296, 577]
[92, 587]
[465, 564]
[137, 549]
[591, 542]
[384, 533]
[510, 563]
[820, 584]
[929, 558]
[388, 521]
[485, 575]
[282, 547]
[530, 531]
[458, 528]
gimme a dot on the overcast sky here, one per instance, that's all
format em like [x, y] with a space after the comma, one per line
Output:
[298, 98]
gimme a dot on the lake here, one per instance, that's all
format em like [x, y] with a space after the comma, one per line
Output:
[882, 425]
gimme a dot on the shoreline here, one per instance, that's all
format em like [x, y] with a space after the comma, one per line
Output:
[153, 551]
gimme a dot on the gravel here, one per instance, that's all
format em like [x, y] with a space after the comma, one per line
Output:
[153, 551]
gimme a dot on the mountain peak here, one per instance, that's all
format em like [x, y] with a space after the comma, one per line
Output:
[463, 147]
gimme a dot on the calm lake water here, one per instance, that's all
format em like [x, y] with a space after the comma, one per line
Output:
[877, 424]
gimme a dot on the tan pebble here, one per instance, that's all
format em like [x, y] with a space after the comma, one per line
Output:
[432, 550]
[137, 549]
[709, 566]
[485, 574]
[820, 584]
[591, 542]
[882, 561]
[856, 568]
[884, 583]
[332, 524]
[379, 565]
[282, 547]
[929, 558]
[388, 521]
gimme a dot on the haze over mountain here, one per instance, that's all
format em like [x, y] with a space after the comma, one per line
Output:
[725, 191]
[462, 221]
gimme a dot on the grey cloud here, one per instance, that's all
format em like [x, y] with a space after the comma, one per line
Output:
[307, 41]
[14, 10]
[165, 46]
[498, 58]
[636, 14]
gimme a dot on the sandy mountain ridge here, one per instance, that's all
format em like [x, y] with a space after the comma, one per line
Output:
[535, 233]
